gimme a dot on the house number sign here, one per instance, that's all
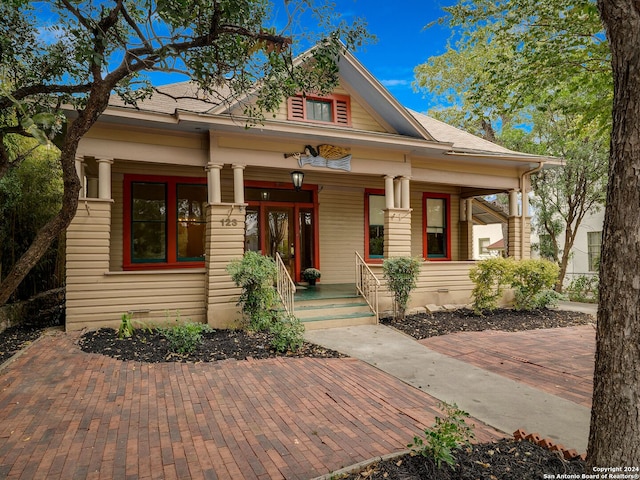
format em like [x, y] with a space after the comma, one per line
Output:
[229, 222]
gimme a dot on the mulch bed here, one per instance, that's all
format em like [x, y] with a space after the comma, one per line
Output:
[13, 339]
[152, 346]
[502, 460]
[444, 322]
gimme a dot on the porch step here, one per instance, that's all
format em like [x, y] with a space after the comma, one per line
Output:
[346, 310]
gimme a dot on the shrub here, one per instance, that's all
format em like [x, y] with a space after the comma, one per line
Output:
[490, 278]
[584, 288]
[256, 275]
[401, 274]
[445, 436]
[184, 338]
[311, 274]
[287, 334]
[533, 282]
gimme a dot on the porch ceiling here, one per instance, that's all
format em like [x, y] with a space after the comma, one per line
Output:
[485, 212]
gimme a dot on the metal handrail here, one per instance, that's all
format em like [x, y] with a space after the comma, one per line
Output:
[367, 284]
[285, 286]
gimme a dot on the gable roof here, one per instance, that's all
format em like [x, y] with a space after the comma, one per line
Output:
[187, 97]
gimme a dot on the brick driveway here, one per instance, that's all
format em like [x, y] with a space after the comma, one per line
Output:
[559, 361]
[65, 414]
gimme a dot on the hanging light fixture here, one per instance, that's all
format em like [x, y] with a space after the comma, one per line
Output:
[297, 177]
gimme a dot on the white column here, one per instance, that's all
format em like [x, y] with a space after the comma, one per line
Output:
[397, 193]
[238, 184]
[513, 203]
[388, 191]
[92, 187]
[406, 193]
[213, 181]
[469, 209]
[104, 177]
[80, 172]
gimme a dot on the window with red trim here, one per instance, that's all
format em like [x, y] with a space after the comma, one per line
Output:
[436, 219]
[374, 206]
[334, 109]
[164, 221]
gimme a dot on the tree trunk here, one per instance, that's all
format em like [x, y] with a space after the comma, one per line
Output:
[614, 439]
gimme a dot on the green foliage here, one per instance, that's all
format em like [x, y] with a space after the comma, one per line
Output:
[446, 435]
[584, 288]
[288, 334]
[256, 275]
[401, 274]
[184, 338]
[532, 281]
[30, 196]
[126, 326]
[82, 50]
[490, 277]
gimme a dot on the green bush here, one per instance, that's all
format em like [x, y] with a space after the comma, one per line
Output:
[533, 282]
[288, 334]
[184, 338]
[256, 275]
[401, 274]
[445, 436]
[584, 288]
[490, 277]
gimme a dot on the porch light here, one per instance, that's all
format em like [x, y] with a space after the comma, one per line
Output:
[264, 195]
[297, 177]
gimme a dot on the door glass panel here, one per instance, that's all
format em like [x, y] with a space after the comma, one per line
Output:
[376, 226]
[280, 236]
[252, 230]
[306, 239]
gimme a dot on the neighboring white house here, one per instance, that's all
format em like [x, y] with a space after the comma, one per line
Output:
[483, 237]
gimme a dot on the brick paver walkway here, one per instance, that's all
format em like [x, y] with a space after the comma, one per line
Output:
[559, 361]
[65, 414]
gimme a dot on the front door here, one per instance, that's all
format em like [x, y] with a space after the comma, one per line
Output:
[283, 221]
[281, 236]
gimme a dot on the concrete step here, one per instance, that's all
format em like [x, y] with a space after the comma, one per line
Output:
[334, 312]
[332, 321]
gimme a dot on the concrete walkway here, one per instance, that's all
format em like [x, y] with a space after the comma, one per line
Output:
[492, 398]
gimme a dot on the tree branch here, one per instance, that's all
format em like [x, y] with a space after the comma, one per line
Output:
[41, 89]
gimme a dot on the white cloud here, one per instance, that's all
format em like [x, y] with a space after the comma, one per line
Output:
[396, 83]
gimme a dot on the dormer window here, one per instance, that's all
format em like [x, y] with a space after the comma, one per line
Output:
[334, 109]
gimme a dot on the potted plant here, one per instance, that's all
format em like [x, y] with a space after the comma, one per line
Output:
[311, 275]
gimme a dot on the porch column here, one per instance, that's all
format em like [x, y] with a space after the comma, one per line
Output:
[514, 228]
[397, 193]
[224, 241]
[104, 178]
[214, 191]
[465, 250]
[513, 203]
[92, 187]
[238, 184]
[405, 202]
[80, 172]
[388, 192]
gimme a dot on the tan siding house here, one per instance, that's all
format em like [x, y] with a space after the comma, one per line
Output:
[176, 189]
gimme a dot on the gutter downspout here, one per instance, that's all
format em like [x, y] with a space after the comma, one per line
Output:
[524, 214]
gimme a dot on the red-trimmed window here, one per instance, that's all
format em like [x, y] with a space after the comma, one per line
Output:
[436, 220]
[374, 206]
[334, 109]
[164, 222]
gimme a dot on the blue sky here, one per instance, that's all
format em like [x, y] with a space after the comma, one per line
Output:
[402, 44]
